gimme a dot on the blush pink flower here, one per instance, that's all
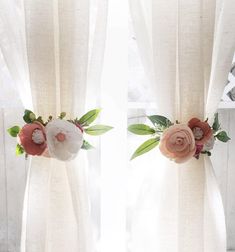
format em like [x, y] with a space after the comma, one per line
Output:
[33, 139]
[201, 130]
[177, 143]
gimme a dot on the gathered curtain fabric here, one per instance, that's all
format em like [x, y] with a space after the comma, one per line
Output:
[54, 52]
[186, 47]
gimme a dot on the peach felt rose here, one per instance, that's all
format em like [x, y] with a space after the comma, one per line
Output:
[33, 139]
[177, 143]
[201, 130]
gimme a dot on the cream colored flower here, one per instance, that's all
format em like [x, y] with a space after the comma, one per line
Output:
[178, 143]
[209, 144]
[64, 139]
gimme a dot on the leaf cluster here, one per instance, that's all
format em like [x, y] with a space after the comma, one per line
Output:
[160, 123]
[84, 123]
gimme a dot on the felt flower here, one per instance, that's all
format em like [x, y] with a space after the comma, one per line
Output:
[64, 139]
[209, 144]
[201, 130]
[177, 143]
[33, 139]
[199, 148]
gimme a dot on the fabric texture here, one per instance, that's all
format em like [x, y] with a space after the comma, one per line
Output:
[187, 49]
[51, 50]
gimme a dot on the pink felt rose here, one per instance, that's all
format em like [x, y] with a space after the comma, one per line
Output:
[177, 143]
[201, 130]
[33, 139]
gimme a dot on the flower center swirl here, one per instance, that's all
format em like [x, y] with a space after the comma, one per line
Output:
[60, 137]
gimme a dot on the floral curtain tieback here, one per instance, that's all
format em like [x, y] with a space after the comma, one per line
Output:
[56, 138]
[179, 142]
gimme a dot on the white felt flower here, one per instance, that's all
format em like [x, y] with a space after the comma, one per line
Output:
[209, 144]
[64, 139]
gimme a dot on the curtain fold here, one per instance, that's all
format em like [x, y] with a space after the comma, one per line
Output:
[192, 49]
[50, 50]
[223, 51]
[13, 47]
[57, 54]
[12, 181]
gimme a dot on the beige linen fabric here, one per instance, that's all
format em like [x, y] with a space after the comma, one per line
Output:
[187, 48]
[54, 55]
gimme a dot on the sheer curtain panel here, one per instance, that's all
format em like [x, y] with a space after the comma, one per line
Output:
[186, 48]
[51, 50]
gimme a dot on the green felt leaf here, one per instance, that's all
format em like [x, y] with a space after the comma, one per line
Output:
[216, 124]
[89, 117]
[141, 129]
[145, 147]
[39, 119]
[98, 129]
[86, 145]
[160, 121]
[62, 115]
[14, 131]
[19, 150]
[208, 153]
[222, 136]
[29, 116]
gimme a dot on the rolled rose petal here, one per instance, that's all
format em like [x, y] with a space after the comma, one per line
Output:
[33, 139]
[64, 139]
[199, 148]
[201, 130]
[177, 143]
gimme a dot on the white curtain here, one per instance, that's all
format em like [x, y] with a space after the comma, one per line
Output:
[186, 48]
[53, 51]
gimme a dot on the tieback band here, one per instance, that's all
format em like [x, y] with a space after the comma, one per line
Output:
[179, 142]
[56, 138]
